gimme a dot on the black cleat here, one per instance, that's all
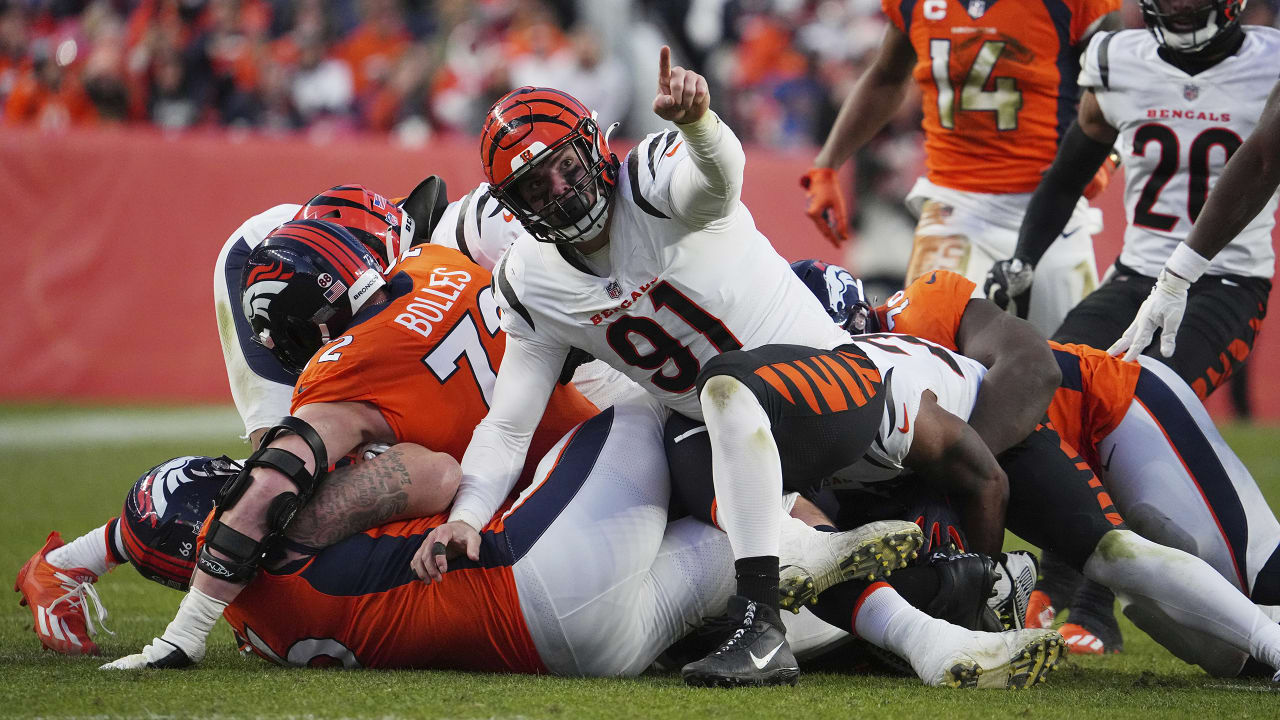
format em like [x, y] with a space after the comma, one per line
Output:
[755, 653]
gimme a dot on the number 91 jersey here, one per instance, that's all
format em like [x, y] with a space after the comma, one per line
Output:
[998, 79]
[678, 295]
[428, 358]
[1177, 132]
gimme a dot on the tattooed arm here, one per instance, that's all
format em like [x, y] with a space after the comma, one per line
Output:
[406, 481]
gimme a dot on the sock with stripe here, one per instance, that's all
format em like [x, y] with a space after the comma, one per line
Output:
[89, 551]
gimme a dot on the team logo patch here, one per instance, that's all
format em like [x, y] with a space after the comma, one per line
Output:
[977, 8]
[324, 280]
[614, 289]
[1190, 91]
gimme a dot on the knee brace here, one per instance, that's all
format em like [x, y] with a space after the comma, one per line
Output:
[242, 553]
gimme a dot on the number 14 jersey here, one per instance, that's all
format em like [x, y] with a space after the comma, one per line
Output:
[998, 83]
[1177, 132]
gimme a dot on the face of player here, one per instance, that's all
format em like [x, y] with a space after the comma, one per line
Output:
[559, 189]
[1185, 15]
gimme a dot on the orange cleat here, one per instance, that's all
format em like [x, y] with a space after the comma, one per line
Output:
[58, 599]
[1081, 641]
[1040, 611]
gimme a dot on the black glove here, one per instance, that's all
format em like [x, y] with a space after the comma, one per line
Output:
[1009, 285]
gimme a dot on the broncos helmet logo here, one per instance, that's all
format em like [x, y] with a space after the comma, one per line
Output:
[257, 299]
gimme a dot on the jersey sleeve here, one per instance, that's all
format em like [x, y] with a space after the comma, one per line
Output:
[1086, 13]
[649, 169]
[897, 422]
[893, 11]
[477, 226]
[930, 308]
[1090, 66]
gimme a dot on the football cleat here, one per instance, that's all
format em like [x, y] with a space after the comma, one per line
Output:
[1082, 642]
[63, 602]
[1016, 583]
[755, 653]
[810, 561]
[1040, 611]
[1014, 659]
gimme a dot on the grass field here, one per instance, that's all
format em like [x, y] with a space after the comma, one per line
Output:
[74, 483]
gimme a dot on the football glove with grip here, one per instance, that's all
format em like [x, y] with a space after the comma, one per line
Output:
[183, 642]
[1164, 307]
[826, 204]
[1008, 285]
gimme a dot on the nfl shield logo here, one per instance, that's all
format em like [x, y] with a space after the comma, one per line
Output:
[614, 290]
[1190, 92]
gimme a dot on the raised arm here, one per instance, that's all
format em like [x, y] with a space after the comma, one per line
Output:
[707, 183]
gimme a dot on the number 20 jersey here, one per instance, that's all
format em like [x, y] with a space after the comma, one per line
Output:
[678, 295]
[998, 83]
[1177, 132]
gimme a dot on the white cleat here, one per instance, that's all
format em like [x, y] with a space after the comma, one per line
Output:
[810, 561]
[1013, 659]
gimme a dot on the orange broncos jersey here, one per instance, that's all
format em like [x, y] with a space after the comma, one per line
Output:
[1096, 389]
[429, 357]
[999, 84]
[358, 604]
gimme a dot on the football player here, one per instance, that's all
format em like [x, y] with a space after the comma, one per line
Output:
[998, 84]
[303, 288]
[1178, 98]
[1153, 445]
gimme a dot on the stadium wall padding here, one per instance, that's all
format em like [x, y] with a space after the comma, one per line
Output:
[112, 237]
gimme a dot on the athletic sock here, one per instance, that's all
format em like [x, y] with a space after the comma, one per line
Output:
[745, 468]
[89, 551]
[758, 579]
[884, 619]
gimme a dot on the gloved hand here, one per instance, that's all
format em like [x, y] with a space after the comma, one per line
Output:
[1163, 308]
[826, 204]
[1008, 285]
[159, 654]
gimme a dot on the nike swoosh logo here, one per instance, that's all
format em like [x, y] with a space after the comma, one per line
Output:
[508, 217]
[671, 153]
[932, 279]
[906, 421]
[761, 662]
[1069, 234]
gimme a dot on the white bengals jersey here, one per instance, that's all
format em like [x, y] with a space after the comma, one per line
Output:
[678, 295]
[478, 227]
[1177, 132]
[909, 366]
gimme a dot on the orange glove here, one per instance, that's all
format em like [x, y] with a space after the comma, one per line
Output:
[1102, 178]
[826, 204]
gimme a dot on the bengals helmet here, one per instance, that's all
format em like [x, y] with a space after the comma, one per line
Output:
[1189, 27]
[302, 285]
[840, 293]
[527, 127]
[374, 220]
[163, 514]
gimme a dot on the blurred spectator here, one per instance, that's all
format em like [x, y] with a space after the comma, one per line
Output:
[322, 86]
[47, 92]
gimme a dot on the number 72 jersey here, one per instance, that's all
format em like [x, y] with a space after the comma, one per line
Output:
[998, 79]
[428, 358]
[1177, 132]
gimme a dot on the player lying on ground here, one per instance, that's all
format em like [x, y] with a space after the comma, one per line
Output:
[1152, 444]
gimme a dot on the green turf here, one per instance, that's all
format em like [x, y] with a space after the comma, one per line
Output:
[74, 489]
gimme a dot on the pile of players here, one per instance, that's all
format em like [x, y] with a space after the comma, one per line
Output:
[472, 433]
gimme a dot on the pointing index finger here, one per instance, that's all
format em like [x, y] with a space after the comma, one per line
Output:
[664, 69]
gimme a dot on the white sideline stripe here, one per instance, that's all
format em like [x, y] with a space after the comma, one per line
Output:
[60, 428]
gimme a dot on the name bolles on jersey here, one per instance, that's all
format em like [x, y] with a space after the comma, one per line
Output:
[430, 303]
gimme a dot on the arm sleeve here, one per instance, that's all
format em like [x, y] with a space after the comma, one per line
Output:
[1054, 200]
[707, 183]
[493, 460]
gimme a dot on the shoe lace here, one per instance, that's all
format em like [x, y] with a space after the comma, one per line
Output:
[89, 602]
[748, 622]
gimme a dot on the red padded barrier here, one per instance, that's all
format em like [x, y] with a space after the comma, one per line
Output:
[112, 236]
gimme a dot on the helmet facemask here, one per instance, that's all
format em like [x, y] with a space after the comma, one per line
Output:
[1190, 29]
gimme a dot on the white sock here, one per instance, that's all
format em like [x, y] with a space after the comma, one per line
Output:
[190, 628]
[885, 619]
[89, 551]
[745, 468]
[1186, 589]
